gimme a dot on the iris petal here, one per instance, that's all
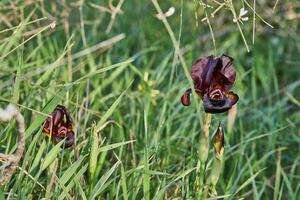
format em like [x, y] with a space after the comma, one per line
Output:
[232, 97]
[212, 70]
[69, 139]
[185, 99]
[57, 117]
[208, 71]
[221, 105]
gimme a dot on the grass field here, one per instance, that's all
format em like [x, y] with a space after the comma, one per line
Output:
[121, 71]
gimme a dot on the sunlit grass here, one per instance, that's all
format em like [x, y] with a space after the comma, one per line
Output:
[130, 71]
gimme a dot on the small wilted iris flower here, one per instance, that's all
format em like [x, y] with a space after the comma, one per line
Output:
[59, 127]
[213, 77]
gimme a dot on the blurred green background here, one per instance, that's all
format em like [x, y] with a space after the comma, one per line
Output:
[115, 61]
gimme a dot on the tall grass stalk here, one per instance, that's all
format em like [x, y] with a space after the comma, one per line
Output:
[203, 155]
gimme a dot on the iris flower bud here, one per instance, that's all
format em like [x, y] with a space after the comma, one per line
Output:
[219, 151]
[219, 142]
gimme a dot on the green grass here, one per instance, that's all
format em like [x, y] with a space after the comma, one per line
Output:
[149, 148]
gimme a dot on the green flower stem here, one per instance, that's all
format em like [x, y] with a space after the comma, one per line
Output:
[203, 155]
[203, 149]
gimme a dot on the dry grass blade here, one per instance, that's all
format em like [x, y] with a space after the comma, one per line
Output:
[28, 23]
[254, 11]
[114, 11]
[25, 41]
[210, 28]
[53, 179]
[101, 45]
[32, 178]
[27, 108]
[231, 6]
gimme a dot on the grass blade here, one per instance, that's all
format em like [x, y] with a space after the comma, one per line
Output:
[103, 180]
[50, 157]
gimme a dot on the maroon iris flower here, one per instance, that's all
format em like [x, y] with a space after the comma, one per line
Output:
[59, 127]
[213, 77]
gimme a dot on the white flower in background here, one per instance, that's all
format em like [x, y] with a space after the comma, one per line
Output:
[241, 16]
[52, 25]
[169, 13]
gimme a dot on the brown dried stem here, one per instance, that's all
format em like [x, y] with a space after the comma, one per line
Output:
[12, 160]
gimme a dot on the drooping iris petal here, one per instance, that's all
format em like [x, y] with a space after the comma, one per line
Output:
[46, 127]
[68, 137]
[232, 98]
[219, 105]
[185, 99]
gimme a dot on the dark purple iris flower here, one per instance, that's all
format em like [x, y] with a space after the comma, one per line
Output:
[213, 77]
[59, 126]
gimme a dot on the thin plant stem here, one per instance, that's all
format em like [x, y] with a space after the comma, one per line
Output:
[177, 50]
[238, 24]
[203, 155]
[210, 29]
[254, 19]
